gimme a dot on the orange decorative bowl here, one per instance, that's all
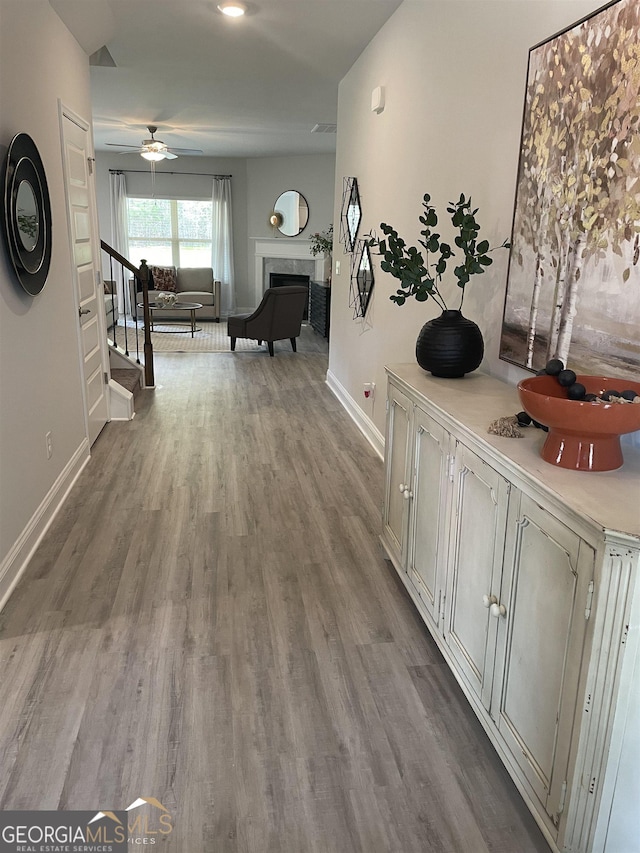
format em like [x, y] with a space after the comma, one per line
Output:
[582, 436]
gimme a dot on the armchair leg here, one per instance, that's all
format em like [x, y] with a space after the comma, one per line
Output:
[293, 344]
[233, 344]
[270, 345]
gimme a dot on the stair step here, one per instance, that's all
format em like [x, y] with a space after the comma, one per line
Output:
[129, 379]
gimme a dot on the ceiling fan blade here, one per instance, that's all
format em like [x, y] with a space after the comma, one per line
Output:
[185, 150]
[119, 145]
[169, 156]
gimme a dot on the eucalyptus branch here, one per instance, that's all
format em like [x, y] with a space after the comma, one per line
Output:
[418, 275]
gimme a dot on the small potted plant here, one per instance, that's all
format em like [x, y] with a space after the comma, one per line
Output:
[449, 345]
[321, 243]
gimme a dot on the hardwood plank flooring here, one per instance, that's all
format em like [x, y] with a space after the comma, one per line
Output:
[210, 622]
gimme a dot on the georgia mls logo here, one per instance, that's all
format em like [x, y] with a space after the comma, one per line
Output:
[144, 822]
[146, 826]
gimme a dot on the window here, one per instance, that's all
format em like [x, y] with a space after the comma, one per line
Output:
[170, 232]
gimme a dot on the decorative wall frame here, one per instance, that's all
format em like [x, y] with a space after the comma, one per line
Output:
[27, 214]
[362, 279]
[351, 213]
[573, 288]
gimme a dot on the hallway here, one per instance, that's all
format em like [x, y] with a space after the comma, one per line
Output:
[210, 622]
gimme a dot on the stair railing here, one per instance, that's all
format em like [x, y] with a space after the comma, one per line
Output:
[141, 276]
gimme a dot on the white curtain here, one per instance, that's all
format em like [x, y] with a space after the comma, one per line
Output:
[222, 244]
[119, 233]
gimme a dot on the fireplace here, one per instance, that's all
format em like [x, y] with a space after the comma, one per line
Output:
[283, 279]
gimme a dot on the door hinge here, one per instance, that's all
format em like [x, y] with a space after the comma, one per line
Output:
[91, 161]
[452, 467]
[386, 404]
[441, 606]
[98, 278]
[106, 378]
[587, 611]
[563, 797]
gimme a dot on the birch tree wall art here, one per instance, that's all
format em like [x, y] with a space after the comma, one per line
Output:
[573, 290]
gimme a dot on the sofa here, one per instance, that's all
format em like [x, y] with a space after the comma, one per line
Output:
[190, 284]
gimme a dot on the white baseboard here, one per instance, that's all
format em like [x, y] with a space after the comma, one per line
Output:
[361, 420]
[17, 560]
[120, 402]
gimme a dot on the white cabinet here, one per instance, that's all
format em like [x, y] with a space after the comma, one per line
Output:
[517, 582]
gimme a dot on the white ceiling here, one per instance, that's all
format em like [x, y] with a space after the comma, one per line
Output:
[249, 87]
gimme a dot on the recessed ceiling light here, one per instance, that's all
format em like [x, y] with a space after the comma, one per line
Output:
[232, 9]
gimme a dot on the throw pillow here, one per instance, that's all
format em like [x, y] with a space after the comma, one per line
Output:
[164, 278]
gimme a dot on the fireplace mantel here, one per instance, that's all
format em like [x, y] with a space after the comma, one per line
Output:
[274, 247]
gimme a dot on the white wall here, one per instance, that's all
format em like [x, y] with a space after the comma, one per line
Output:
[454, 77]
[40, 384]
[256, 184]
[180, 185]
[268, 177]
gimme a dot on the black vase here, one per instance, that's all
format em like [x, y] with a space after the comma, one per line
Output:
[449, 346]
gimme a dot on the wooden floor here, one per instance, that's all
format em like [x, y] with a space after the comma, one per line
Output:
[210, 622]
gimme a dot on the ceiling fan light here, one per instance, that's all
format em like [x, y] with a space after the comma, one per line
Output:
[232, 9]
[152, 155]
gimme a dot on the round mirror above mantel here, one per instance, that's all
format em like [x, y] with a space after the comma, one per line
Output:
[290, 213]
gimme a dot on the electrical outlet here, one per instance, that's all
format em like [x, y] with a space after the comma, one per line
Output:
[369, 390]
[49, 442]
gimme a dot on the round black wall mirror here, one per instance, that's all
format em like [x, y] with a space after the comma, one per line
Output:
[27, 214]
[290, 213]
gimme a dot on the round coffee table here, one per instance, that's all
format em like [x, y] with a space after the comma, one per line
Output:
[192, 307]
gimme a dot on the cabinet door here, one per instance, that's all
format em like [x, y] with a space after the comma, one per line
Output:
[395, 517]
[547, 588]
[427, 525]
[478, 523]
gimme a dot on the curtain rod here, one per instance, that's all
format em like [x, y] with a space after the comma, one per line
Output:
[147, 172]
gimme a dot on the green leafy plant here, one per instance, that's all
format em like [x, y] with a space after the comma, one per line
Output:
[321, 243]
[420, 274]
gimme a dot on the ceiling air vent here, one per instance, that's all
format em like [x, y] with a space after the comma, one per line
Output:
[324, 128]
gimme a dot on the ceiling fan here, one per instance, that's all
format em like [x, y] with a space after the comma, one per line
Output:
[155, 149]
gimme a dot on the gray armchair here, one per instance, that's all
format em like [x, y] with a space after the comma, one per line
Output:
[278, 316]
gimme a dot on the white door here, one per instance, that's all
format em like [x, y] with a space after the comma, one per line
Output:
[86, 269]
[546, 593]
[395, 515]
[479, 510]
[428, 534]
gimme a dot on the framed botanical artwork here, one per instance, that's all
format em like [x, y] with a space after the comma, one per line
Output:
[573, 289]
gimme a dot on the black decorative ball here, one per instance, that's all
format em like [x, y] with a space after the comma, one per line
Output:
[609, 394]
[554, 367]
[566, 378]
[577, 391]
[629, 395]
[589, 398]
[523, 419]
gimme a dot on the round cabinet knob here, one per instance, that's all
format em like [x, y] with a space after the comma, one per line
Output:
[498, 610]
[407, 494]
[402, 487]
[488, 600]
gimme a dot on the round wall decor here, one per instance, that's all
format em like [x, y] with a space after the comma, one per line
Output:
[27, 214]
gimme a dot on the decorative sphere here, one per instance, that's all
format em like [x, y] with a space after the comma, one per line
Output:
[554, 367]
[576, 391]
[589, 398]
[566, 378]
[523, 419]
[609, 394]
[629, 395]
